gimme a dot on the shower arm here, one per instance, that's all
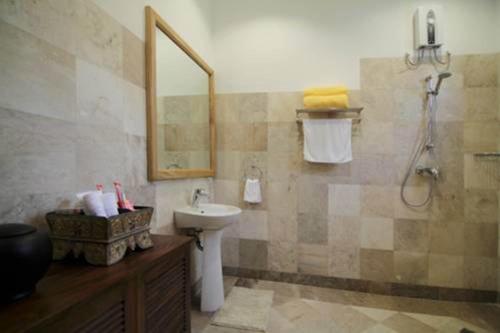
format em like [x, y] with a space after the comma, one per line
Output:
[433, 57]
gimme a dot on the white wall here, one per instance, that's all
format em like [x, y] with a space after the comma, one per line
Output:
[286, 45]
[191, 19]
[498, 26]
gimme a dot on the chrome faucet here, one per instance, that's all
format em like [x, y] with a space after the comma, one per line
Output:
[433, 172]
[198, 193]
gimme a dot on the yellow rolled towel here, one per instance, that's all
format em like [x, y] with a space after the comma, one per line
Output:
[325, 91]
[323, 102]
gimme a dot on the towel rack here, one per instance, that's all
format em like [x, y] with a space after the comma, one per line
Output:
[488, 155]
[332, 111]
[253, 168]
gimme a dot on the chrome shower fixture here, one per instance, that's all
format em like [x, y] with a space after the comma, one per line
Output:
[441, 77]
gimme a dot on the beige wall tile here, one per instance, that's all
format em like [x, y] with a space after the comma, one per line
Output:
[378, 104]
[282, 196]
[451, 104]
[481, 104]
[377, 201]
[254, 136]
[411, 235]
[481, 206]
[481, 239]
[313, 259]
[227, 192]
[377, 137]
[229, 165]
[344, 262]
[376, 169]
[446, 238]
[282, 257]
[312, 228]
[283, 166]
[408, 105]
[253, 254]
[480, 71]
[312, 197]
[375, 68]
[377, 265]
[480, 136]
[411, 267]
[344, 200]
[230, 251]
[480, 273]
[281, 106]
[344, 231]
[253, 224]
[446, 271]
[283, 137]
[416, 195]
[37, 77]
[252, 107]
[99, 36]
[282, 226]
[133, 54]
[377, 233]
[134, 111]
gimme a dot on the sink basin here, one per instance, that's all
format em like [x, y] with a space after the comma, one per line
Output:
[206, 216]
[211, 219]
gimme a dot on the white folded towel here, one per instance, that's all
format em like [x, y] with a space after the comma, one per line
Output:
[327, 140]
[110, 204]
[252, 191]
[93, 204]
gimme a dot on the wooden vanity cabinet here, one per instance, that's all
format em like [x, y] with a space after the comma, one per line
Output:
[148, 291]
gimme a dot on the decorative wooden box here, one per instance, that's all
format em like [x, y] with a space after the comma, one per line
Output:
[102, 241]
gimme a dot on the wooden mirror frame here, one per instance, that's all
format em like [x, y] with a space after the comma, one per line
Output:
[153, 21]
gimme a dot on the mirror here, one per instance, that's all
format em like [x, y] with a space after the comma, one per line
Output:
[180, 105]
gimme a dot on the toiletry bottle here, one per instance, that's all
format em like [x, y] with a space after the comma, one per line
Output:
[122, 200]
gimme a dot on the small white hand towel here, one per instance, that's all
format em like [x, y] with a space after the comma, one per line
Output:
[252, 191]
[110, 204]
[93, 204]
[327, 140]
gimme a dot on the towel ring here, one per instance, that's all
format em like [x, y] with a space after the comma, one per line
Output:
[253, 168]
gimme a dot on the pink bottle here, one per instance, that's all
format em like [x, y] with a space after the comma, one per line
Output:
[122, 200]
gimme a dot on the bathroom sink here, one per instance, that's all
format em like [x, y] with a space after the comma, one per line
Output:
[206, 216]
[210, 220]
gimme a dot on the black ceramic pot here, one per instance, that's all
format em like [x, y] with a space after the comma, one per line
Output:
[25, 256]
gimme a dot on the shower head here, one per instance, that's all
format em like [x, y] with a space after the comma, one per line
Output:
[441, 77]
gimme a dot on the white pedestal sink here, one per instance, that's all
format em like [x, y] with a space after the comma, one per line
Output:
[211, 218]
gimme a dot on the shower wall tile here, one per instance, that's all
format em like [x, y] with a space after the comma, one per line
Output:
[377, 265]
[481, 206]
[480, 71]
[377, 201]
[447, 238]
[411, 235]
[377, 233]
[37, 77]
[481, 239]
[344, 231]
[481, 104]
[370, 233]
[480, 273]
[480, 136]
[228, 165]
[411, 267]
[446, 271]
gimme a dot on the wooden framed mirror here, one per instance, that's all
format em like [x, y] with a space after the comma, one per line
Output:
[180, 106]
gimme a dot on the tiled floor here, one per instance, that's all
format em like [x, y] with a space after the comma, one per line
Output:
[298, 309]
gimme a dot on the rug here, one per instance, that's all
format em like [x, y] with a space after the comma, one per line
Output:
[246, 309]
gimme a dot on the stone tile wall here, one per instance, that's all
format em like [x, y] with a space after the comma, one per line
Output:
[72, 112]
[348, 220]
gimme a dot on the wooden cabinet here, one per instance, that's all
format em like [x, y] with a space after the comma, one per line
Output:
[148, 291]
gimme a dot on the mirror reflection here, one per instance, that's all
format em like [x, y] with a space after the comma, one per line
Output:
[183, 113]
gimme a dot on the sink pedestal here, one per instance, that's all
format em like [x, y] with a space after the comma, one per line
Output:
[212, 287]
